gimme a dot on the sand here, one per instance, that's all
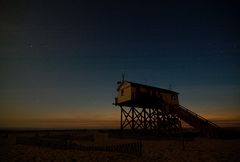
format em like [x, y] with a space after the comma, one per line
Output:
[195, 149]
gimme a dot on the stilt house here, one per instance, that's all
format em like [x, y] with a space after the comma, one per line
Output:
[139, 95]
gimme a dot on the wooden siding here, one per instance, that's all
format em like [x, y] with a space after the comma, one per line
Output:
[171, 99]
[124, 93]
[142, 94]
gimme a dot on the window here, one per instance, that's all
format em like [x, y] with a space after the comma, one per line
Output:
[174, 97]
[122, 92]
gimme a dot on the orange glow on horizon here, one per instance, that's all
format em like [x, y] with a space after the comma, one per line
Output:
[68, 123]
[91, 119]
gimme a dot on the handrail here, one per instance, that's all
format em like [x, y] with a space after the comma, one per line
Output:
[198, 116]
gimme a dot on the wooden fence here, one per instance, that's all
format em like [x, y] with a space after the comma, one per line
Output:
[134, 148]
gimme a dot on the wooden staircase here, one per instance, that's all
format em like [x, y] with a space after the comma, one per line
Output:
[206, 127]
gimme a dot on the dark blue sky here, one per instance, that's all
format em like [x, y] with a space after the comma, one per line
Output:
[62, 59]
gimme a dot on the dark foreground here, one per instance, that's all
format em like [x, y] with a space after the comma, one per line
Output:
[111, 145]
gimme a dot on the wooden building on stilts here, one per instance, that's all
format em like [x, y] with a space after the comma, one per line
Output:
[153, 110]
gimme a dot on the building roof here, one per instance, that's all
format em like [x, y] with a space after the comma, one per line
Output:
[150, 87]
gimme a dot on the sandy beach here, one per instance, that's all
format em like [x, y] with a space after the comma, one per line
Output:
[165, 149]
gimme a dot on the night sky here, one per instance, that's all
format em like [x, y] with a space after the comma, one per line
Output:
[60, 60]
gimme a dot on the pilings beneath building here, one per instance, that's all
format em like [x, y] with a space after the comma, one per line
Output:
[149, 120]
